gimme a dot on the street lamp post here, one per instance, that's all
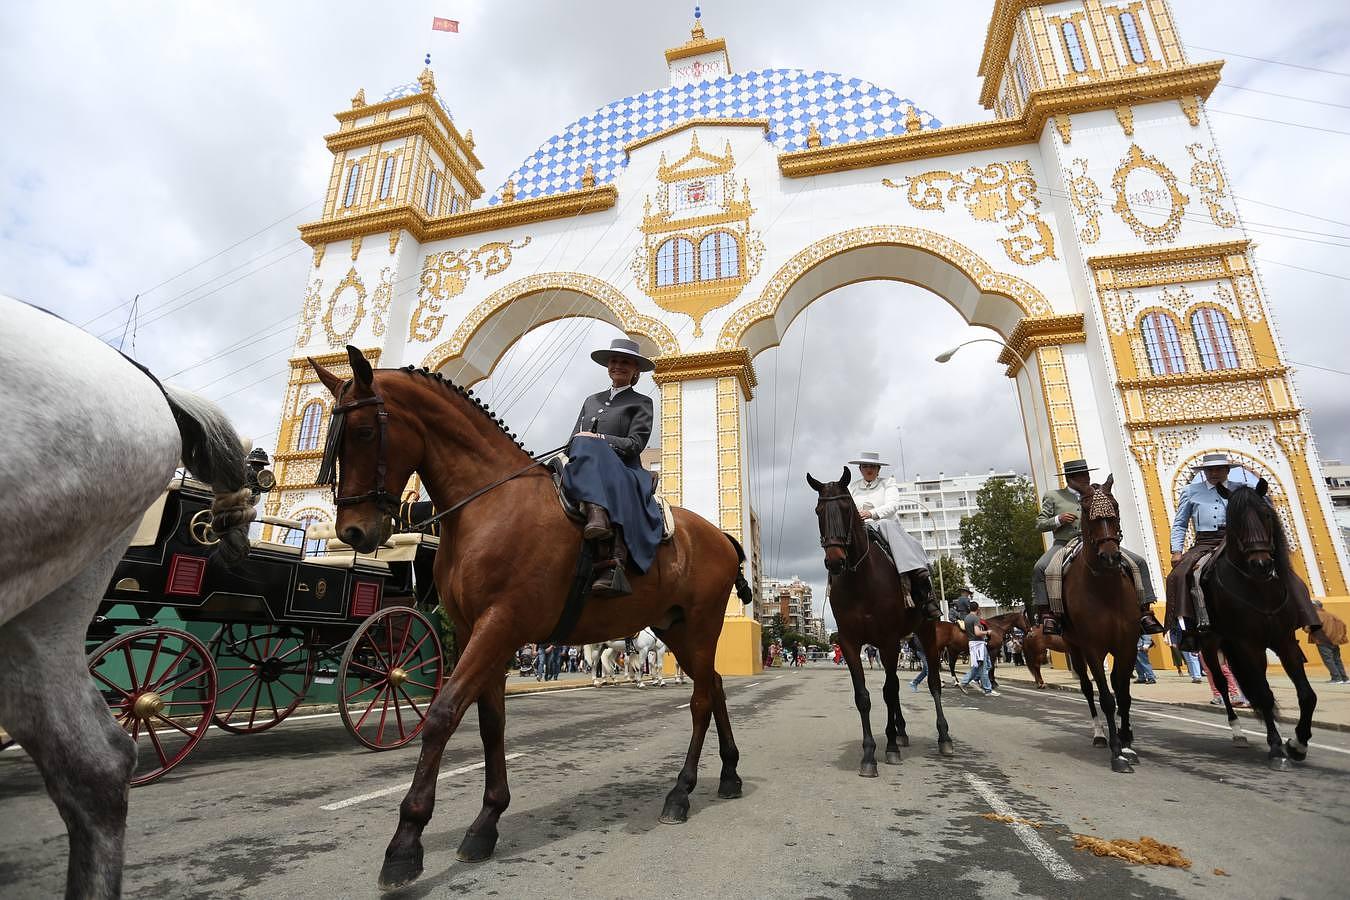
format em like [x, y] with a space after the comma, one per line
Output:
[942, 587]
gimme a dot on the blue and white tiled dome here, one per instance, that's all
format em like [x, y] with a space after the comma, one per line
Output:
[843, 109]
[415, 87]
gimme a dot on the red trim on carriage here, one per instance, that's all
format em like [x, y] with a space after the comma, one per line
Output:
[185, 575]
[365, 598]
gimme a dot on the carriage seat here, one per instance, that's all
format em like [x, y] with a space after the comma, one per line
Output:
[346, 559]
[286, 525]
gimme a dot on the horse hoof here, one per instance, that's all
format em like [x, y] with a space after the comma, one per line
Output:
[676, 811]
[1294, 752]
[1121, 764]
[477, 845]
[867, 770]
[1280, 764]
[729, 789]
[1130, 755]
[1240, 741]
[946, 748]
[1099, 742]
[398, 873]
[904, 740]
[892, 757]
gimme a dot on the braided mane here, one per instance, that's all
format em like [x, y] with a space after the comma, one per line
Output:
[467, 394]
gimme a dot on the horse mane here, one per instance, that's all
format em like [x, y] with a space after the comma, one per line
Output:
[1243, 501]
[467, 394]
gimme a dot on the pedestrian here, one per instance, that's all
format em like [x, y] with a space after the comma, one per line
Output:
[1234, 692]
[1143, 670]
[916, 649]
[838, 655]
[1333, 630]
[573, 655]
[1189, 657]
[978, 636]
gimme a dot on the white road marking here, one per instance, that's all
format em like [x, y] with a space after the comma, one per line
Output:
[557, 691]
[757, 683]
[1044, 853]
[1137, 711]
[683, 706]
[384, 792]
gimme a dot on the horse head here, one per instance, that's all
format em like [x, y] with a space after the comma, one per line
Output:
[1101, 528]
[1254, 531]
[365, 454]
[838, 520]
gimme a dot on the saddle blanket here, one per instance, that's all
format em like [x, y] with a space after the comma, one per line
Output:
[1059, 564]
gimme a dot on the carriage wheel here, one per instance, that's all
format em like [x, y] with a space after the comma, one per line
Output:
[263, 676]
[389, 675]
[160, 685]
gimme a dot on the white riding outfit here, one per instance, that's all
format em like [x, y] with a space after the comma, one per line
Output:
[881, 497]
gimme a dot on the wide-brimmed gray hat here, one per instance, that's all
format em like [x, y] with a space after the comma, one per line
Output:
[1077, 467]
[627, 348]
[1215, 459]
[868, 458]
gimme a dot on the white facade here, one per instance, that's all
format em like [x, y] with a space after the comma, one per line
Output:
[931, 509]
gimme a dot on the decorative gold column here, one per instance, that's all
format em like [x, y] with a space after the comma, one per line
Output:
[1044, 336]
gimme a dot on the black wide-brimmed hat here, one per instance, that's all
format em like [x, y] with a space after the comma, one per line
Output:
[625, 347]
[1077, 467]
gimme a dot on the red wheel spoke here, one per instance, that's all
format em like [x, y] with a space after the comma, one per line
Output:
[362, 720]
[154, 739]
[172, 724]
[378, 655]
[361, 665]
[398, 716]
[384, 714]
[229, 687]
[242, 695]
[276, 714]
[168, 671]
[194, 675]
[420, 684]
[413, 652]
[423, 664]
[407, 630]
[415, 707]
[186, 703]
[132, 678]
[257, 696]
[154, 657]
[373, 684]
[101, 677]
[299, 645]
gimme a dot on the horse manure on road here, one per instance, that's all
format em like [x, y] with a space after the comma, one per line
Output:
[1144, 852]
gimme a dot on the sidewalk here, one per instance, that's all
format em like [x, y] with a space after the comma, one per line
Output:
[1333, 700]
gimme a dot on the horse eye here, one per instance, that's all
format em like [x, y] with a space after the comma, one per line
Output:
[365, 433]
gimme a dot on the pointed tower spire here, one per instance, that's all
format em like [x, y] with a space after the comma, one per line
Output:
[698, 59]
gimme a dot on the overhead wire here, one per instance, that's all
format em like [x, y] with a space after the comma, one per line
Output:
[1264, 59]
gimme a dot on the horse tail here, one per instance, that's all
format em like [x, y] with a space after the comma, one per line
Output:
[213, 453]
[742, 586]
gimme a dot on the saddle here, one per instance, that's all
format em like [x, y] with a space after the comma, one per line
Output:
[1060, 562]
[879, 541]
[573, 510]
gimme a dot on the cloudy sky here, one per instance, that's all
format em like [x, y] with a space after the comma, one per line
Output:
[171, 149]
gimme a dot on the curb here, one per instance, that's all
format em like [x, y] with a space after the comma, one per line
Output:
[1321, 724]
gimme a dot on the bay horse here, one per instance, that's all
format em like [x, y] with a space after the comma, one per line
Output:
[1102, 616]
[1034, 648]
[867, 595]
[89, 441]
[953, 641]
[1249, 586]
[507, 557]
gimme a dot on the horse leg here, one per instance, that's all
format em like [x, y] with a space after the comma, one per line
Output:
[51, 707]
[1291, 657]
[1211, 654]
[1098, 665]
[473, 675]
[481, 838]
[895, 720]
[701, 704]
[729, 783]
[1120, 682]
[1085, 685]
[928, 639]
[1249, 668]
[863, 701]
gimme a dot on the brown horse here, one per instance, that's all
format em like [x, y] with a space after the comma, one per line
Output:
[1249, 588]
[1034, 648]
[867, 595]
[507, 557]
[953, 642]
[1102, 609]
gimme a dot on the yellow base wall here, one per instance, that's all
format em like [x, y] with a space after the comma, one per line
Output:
[738, 649]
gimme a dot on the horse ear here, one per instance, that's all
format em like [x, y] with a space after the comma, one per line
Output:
[330, 381]
[1110, 480]
[361, 370]
[815, 485]
[1261, 487]
[843, 482]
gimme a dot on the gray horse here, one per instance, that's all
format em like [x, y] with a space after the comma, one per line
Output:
[87, 442]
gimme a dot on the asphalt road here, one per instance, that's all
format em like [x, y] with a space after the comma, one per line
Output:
[245, 817]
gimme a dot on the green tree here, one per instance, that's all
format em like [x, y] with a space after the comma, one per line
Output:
[953, 576]
[773, 632]
[1000, 542]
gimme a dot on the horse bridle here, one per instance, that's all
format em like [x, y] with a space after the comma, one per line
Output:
[386, 502]
[845, 542]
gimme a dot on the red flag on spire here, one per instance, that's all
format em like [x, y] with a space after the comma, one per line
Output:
[439, 24]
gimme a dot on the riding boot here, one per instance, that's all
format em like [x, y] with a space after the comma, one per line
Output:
[924, 598]
[1147, 621]
[597, 523]
[1190, 636]
[612, 581]
[1049, 624]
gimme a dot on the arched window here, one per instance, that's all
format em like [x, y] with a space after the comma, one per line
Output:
[1132, 38]
[353, 182]
[310, 425]
[718, 256]
[1163, 344]
[1214, 339]
[675, 262]
[296, 537]
[1076, 58]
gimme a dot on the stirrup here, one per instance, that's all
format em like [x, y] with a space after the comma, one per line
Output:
[1149, 623]
[1050, 625]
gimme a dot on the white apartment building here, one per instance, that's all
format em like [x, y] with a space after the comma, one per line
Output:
[1337, 475]
[931, 509]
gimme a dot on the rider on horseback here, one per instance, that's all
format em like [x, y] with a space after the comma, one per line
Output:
[878, 502]
[1062, 513]
[1205, 502]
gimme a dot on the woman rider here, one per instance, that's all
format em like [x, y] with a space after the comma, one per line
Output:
[604, 473]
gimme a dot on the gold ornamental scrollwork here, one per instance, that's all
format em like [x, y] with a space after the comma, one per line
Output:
[1171, 199]
[309, 310]
[1208, 179]
[339, 315]
[1001, 192]
[1084, 194]
[380, 300]
[444, 277]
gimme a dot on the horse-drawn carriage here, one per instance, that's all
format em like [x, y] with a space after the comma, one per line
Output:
[289, 616]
